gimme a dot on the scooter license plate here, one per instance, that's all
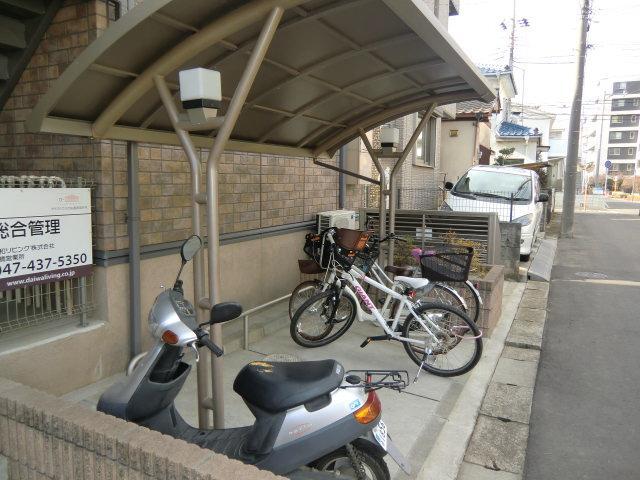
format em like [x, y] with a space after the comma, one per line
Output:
[380, 434]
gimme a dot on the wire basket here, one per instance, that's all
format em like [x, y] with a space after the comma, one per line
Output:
[446, 264]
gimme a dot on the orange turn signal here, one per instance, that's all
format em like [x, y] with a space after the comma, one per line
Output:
[169, 337]
[370, 410]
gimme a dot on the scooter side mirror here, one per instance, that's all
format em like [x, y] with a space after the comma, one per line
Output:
[225, 311]
[448, 185]
[190, 247]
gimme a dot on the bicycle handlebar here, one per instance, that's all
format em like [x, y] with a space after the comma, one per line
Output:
[393, 236]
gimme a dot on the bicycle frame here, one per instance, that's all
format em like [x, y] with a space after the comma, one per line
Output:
[350, 278]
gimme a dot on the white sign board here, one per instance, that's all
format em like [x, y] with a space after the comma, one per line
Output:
[45, 235]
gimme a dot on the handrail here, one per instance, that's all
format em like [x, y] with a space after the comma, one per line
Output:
[245, 317]
[245, 343]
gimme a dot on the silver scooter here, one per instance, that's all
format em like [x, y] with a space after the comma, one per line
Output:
[307, 414]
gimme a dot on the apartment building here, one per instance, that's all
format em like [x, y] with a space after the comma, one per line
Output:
[621, 133]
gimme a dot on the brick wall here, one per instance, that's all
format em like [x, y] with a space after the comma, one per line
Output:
[45, 437]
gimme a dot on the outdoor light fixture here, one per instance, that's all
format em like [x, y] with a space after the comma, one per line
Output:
[200, 93]
[389, 138]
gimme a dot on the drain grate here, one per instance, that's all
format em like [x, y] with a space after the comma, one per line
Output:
[591, 275]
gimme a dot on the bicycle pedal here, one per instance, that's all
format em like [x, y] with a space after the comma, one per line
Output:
[366, 342]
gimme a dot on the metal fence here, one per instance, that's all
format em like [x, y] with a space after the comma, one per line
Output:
[432, 227]
[420, 198]
[62, 301]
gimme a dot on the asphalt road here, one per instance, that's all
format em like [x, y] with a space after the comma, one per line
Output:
[585, 421]
[622, 204]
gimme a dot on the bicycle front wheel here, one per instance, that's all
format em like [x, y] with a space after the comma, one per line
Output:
[451, 340]
[323, 318]
[303, 292]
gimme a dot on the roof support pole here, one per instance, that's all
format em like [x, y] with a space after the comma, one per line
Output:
[198, 262]
[219, 144]
[382, 209]
[393, 192]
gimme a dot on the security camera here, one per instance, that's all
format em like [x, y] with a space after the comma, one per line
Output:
[389, 138]
[200, 93]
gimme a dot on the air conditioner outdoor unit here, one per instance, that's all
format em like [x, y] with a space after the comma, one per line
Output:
[338, 218]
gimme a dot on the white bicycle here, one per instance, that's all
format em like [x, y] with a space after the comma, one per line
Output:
[439, 338]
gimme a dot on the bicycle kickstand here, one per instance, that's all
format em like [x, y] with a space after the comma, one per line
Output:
[427, 352]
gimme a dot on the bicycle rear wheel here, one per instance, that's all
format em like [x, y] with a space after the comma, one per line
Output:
[470, 295]
[313, 323]
[441, 293]
[457, 346]
[303, 292]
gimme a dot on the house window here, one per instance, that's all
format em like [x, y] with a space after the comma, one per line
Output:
[426, 144]
[632, 135]
[631, 151]
[636, 102]
[616, 135]
[618, 103]
[616, 119]
[634, 118]
[614, 151]
[113, 10]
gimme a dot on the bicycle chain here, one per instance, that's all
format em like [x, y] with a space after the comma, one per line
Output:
[356, 463]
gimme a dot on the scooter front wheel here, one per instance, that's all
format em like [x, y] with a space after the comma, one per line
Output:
[341, 465]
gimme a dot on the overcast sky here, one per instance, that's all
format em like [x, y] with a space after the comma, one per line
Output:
[545, 53]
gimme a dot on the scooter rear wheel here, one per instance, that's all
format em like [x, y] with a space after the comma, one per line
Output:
[339, 463]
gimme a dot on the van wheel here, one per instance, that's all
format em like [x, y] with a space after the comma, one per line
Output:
[340, 464]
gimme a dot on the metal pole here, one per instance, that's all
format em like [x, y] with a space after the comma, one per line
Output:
[342, 181]
[133, 226]
[595, 183]
[231, 116]
[569, 199]
[382, 208]
[198, 261]
[396, 169]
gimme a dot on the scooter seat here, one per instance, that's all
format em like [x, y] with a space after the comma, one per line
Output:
[279, 386]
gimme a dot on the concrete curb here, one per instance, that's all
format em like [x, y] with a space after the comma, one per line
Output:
[447, 454]
[542, 263]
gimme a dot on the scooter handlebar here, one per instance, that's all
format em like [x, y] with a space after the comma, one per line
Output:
[206, 341]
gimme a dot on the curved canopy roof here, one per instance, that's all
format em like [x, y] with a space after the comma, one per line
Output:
[333, 67]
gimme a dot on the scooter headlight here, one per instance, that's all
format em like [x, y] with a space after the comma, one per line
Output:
[370, 410]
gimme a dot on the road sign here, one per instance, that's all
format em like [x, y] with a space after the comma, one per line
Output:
[607, 164]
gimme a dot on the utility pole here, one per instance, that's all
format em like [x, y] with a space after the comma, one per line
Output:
[511, 51]
[571, 167]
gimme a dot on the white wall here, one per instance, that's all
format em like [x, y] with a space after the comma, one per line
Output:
[458, 154]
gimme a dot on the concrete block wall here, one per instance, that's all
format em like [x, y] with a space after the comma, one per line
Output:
[45, 437]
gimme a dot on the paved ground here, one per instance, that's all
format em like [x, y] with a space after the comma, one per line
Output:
[585, 423]
[414, 419]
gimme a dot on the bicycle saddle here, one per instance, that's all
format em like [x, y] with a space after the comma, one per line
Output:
[402, 271]
[414, 283]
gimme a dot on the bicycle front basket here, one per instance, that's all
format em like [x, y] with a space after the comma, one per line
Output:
[446, 264]
[353, 240]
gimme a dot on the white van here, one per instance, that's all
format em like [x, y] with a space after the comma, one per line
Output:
[513, 193]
